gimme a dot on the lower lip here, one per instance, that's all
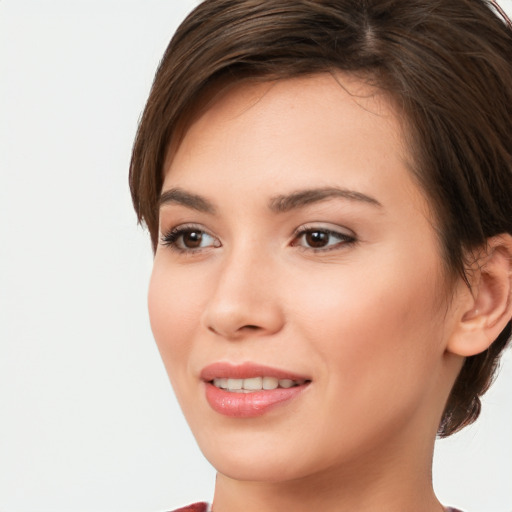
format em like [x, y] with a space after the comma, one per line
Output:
[249, 405]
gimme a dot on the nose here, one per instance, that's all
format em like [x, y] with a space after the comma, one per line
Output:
[245, 299]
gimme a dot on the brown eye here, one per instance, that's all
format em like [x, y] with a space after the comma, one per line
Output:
[322, 239]
[316, 238]
[192, 239]
[189, 239]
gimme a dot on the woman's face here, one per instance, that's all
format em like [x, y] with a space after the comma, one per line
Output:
[296, 250]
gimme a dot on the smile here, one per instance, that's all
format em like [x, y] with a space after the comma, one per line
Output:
[255, 384]
[249, 390]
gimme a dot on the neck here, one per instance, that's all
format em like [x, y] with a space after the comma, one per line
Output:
[328, 495]
[396, 480]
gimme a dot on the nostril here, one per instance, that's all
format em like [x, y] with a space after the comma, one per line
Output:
[237, 333]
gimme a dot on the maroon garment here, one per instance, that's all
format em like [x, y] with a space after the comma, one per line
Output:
[203, 507]
[195, 507]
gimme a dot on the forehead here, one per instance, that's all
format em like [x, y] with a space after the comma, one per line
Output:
[295, 123]
[229, 99]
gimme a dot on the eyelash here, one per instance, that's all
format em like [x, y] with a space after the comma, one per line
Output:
[344, 239]
[172, 237]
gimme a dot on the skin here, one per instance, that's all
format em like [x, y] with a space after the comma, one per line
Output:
[369, 318]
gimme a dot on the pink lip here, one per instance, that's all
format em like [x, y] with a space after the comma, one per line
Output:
[245, 371]
[248, 405]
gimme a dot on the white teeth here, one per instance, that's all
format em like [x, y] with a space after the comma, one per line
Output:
[270, 383]
[235, 384]
[254, 384]
[220, 383]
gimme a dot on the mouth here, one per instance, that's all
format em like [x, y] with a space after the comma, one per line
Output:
[249, 390]
[255, 384]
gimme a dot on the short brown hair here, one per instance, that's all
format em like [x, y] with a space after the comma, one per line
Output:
[446, 63]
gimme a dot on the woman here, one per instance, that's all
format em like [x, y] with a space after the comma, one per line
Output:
[327, 186]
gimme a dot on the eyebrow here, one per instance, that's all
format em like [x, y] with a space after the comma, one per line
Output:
[279, 204]
[301, 198]
[184, 198]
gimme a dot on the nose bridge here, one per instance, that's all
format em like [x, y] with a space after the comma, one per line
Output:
[244, 298]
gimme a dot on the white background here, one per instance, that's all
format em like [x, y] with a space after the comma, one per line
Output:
[87, 418]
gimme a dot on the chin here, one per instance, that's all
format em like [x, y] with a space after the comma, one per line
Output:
[250, 469]
[270, 457]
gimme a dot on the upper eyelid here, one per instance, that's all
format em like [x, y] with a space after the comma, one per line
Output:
[181, 228]
[184, 226]
[324, 226]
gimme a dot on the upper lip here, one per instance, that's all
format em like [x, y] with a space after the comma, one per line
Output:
[223, 370]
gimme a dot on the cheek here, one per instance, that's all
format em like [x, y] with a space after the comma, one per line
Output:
[375, 326]
[373, 345]
[174, 309]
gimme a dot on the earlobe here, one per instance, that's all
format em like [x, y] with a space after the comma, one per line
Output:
[491, 306]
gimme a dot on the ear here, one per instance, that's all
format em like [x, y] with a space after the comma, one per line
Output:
[488, 307]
